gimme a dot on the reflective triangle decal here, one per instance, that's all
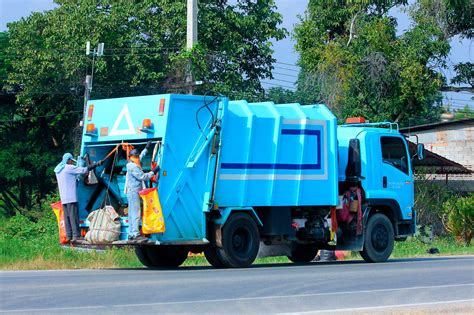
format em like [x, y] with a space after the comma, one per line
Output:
[120, 132]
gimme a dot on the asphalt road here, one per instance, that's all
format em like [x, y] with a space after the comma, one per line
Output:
[444, 284]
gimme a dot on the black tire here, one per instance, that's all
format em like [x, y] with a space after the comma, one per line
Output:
[142, 256]
[303, 253]
[327, 255]
[378, 239]
[167, 256]
[212, 257]
[240, 241]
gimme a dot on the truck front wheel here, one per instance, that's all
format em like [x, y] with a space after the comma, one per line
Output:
[379, 239]
[240, 241]
[302, 253]
[166, 256]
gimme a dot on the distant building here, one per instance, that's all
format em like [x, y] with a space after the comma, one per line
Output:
[453, 141]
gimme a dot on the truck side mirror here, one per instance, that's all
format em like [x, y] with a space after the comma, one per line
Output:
[354, 163]
[420, 148]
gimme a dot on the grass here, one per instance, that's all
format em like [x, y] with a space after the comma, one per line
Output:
[45, 253]
[27, 245]
[447, 246]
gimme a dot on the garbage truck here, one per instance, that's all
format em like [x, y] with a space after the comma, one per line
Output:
[239, 180]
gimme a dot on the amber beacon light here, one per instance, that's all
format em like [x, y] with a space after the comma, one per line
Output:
[355, 120]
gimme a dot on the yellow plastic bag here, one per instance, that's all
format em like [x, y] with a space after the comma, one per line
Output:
[58, 211]
[152, 220]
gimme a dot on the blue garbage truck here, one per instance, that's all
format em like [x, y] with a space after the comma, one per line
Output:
[240, 179]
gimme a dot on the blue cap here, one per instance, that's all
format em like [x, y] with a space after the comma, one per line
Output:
[67, 157]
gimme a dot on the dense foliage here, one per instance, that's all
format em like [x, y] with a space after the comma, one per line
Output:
[44, 57]
[359, 65]
[459, 217]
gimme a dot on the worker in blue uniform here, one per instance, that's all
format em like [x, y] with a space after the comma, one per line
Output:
[135, 179]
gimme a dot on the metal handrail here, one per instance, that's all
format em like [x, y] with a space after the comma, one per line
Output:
[389, 124]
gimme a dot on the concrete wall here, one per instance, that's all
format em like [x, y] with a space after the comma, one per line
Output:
[454, 142]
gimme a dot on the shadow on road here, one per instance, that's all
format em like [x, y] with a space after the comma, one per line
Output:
[316, 263]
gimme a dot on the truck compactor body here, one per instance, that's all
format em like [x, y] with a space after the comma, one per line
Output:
[241, 179]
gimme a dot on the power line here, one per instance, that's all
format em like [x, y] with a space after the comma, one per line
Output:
[287, 75]
[286, 81]
[279, 85]
[460, 100]
[287, 69]
[287, 64]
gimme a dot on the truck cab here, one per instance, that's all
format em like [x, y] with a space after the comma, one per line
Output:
[376, 158]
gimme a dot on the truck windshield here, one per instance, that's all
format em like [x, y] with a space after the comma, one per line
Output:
[394, 153]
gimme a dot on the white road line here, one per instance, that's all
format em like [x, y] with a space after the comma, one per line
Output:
[238, 299]
[369, 308]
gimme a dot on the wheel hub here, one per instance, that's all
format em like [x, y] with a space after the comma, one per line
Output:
[240, 241]
[380, 238]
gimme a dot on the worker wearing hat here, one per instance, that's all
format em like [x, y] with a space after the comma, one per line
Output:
[135, 179]
[66, 175]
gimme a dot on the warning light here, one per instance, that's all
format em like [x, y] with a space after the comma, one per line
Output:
[91, 130]
[355, 120]
[146, 123]
[90, 112]
[162, 107]
[147, 126]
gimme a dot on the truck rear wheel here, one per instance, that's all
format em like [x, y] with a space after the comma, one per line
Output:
[240, 241]
[142, 256]
[212, 257]
[302, 253]
[166, 256]
[379, 239]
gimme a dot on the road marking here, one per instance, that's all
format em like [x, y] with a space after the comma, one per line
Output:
[369, 308]
[237, 299]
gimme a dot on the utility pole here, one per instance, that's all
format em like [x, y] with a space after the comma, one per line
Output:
[99, 52]
[191, 38]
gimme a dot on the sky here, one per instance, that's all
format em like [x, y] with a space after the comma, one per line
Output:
[286, 70]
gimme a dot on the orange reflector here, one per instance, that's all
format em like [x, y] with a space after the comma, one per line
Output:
[355, 120]
[162, 107]
[90, 112]
[104, 131]
[146, 123]
[90, 128]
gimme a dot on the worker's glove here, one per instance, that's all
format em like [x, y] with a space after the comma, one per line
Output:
[100, 162]
[92, 166]
[156, 169]
[148, 145]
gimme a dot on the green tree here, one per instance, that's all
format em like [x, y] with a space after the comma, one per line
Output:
[459, 217]
[359, 66]
[453, 18]
[464, 74]
[465, 112]
[144, 54]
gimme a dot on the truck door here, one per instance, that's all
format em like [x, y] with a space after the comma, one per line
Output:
[397, 178]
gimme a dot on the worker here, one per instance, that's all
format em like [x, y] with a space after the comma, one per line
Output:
[66, 175]
[135, 179]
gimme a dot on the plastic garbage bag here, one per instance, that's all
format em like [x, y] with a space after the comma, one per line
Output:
[58, 211]
[104, 226]
[152, 220]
